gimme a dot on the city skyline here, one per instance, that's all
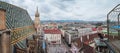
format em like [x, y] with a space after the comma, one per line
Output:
[67, 9]
[64, 26]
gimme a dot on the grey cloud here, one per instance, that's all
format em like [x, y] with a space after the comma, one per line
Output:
[45, 9]
[64, 9]
[63, 4]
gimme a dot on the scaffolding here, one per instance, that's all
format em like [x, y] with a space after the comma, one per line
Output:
[113, 22]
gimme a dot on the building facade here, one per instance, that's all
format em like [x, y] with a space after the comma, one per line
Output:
[53, 36]
[70, 35]
[37, 22]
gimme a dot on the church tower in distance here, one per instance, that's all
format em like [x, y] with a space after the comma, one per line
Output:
[37, 21]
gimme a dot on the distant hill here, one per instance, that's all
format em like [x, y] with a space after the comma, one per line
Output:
[81, 21]
[62, 21]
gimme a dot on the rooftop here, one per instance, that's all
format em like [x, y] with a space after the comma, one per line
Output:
[99, 42]
[52, 31]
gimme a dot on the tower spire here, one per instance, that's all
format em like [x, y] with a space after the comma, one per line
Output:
[37, 21]
[37, 13]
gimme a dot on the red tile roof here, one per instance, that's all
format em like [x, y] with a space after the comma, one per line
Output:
[78, 42]
[88, 49]
[94, 29]
[52, 31]
[84, 38]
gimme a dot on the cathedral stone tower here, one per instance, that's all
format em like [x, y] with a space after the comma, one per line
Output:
[37, 21]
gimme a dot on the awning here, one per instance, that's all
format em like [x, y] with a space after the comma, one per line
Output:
[115, 27]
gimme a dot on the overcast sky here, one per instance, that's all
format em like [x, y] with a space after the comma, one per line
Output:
[88, 10]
